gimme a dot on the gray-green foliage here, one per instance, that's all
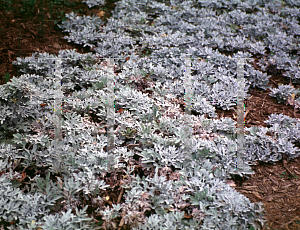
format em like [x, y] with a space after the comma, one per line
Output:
[17, 108]
[81, 159]
[202, 166]
[283, 92]
[284, 134]
[24, 208]
[92, 3]
[67, 221]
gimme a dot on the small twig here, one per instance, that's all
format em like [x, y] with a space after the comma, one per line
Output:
[246, 113]
[286, 224]
[120, 196]
[263, 101]
[121, 222]
[273, 82]
[286, 168]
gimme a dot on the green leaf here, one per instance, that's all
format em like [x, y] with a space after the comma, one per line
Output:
[6, 77]
[17, 138]
[297, 221]
[15, 183]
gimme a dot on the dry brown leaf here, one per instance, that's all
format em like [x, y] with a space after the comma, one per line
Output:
[100, 13]
[231, 183]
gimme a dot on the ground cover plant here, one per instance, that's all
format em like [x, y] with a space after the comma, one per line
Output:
[161, 174]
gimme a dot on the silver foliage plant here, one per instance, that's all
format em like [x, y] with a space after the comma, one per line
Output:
[283, 92]
[202, 161]
[92, 3]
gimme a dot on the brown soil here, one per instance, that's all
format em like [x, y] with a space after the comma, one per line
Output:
[21, 36]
